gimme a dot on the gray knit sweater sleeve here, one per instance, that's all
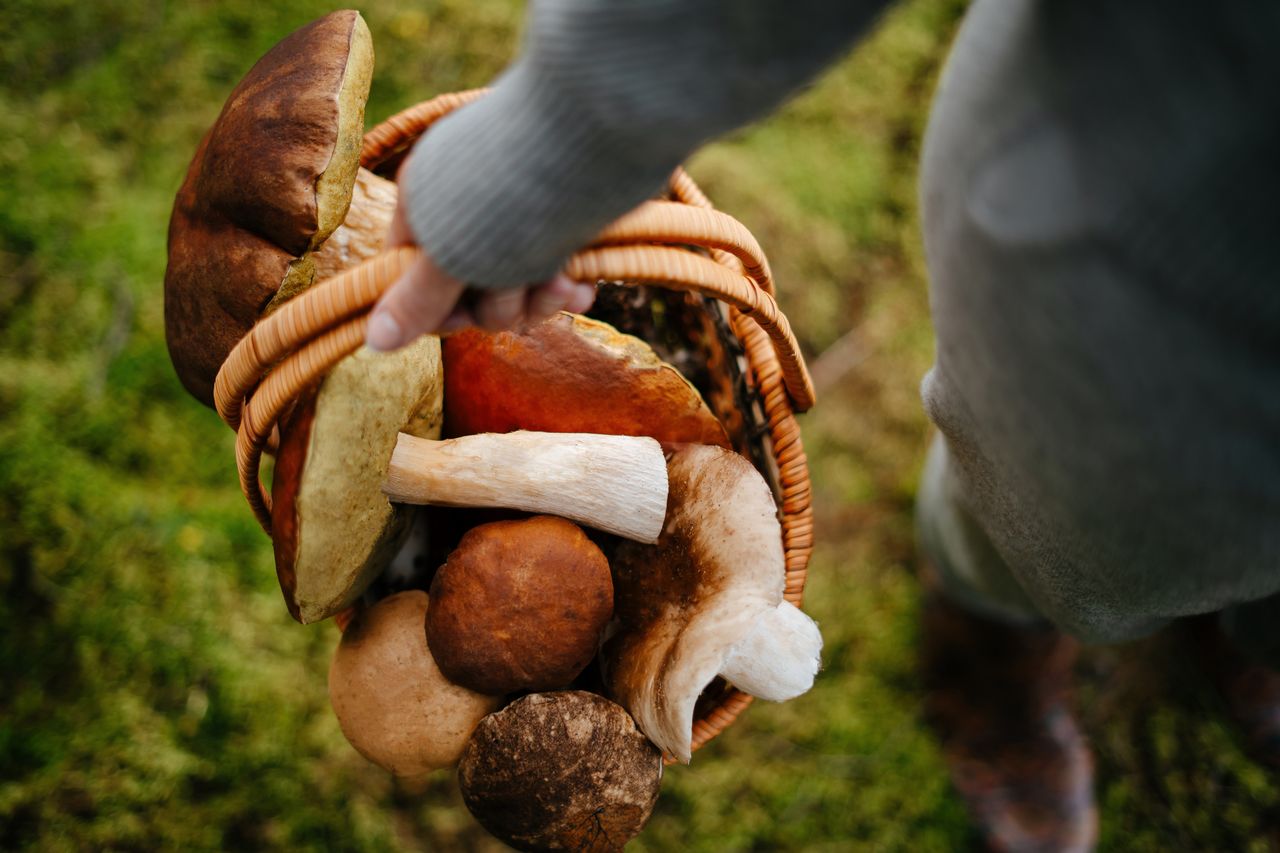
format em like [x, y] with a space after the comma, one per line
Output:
[606, 99]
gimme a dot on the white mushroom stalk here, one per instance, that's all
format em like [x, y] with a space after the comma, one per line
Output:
[615, 483]
[706, 600]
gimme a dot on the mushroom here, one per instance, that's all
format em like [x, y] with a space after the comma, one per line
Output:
[274, 198]
[344, 473]
[706, 600]
[519, 606]
[275, 195]
[391, 700]
[571, 374]
[561, 771]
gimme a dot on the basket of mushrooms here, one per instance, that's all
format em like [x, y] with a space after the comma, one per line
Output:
[561, 557]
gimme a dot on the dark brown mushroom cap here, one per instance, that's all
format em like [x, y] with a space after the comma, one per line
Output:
[269, 182]
[561, 771]
[519, 605]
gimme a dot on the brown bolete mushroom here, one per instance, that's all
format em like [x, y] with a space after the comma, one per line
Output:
[706, 600]
[571, 374]
[519, 606]
[274, 198]
[267, 205]
[391, 700]
[561, 771]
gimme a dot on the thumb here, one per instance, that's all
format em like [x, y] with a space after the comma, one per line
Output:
[416, 304]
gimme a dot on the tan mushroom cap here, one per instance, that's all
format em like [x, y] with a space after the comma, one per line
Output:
[519, 605]
[561, 771]
[270, 181]
[333, 529]
[689, 604]
[392, 702]
[571, 374]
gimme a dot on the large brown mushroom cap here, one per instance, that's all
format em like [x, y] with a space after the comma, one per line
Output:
[270, 181]
[571, 374]
[561, 771]
[391, 701]
[519, 605]
[333, 528]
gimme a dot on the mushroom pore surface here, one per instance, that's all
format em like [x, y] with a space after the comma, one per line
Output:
[333, 528]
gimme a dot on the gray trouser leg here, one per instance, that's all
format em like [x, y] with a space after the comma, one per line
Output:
[1098, 188]
[970, 570]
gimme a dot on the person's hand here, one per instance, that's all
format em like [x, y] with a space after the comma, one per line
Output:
[427, 299]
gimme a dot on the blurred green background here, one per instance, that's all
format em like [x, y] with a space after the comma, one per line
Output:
[155, 693]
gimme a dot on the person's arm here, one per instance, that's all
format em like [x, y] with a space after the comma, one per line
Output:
[608, 97]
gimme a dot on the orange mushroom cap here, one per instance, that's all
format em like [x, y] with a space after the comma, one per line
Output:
[570, 374]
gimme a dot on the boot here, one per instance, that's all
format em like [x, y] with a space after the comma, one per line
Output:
[996, 697]
[1250, 690]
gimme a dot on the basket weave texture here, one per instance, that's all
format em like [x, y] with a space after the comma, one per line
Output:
[683, 244]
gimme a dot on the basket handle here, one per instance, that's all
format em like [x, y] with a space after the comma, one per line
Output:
[301, 342]
[397, 134]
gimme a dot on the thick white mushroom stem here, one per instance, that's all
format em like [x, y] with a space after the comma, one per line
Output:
[614, 483]
[779, 658]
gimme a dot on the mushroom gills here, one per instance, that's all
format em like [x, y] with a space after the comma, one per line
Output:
[779, 658]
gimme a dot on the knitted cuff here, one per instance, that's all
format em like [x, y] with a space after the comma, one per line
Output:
[503, 191]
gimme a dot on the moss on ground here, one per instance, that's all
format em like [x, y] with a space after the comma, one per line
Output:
[157, 695]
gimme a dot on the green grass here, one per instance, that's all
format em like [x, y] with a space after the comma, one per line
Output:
[156, 695]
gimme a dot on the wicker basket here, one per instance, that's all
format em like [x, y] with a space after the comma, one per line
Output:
[705, 266]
